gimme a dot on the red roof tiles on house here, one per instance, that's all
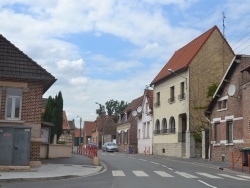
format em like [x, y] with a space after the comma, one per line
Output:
[65, 122]
[88, 127]
[183, 57]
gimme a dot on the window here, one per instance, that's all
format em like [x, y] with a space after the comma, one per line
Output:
[157, 127]
[148, 127]
[229, 131]
[164, 126]
[119, 140]
[217, 133]
[172, 98]
[144, 130]
[125, 137]
[222, 103]
[172, 125]
[139, 133]
[158, 99]
[182, 94]
[13, 103]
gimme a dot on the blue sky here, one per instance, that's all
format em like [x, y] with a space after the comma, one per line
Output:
[111, 49]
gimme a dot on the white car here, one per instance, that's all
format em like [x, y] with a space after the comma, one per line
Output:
[110, 146]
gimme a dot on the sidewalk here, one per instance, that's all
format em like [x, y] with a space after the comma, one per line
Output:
[51, 169]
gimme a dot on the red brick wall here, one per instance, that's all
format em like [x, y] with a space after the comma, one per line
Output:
[237, 106]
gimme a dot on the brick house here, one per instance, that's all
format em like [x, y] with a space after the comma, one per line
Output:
[229, 111]
[22, 84]
[127, 126]
[180, 93]
[104, 125]
[89, 126]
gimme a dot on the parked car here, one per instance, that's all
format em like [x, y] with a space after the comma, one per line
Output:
[91, 144]
[110, 146]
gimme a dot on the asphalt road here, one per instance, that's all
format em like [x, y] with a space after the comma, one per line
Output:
[138, 171]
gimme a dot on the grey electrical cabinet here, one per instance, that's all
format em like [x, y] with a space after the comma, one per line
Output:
[15, 145]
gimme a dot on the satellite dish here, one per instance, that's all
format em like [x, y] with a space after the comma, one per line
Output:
[139, 109]
[231, 90]
[134, 113]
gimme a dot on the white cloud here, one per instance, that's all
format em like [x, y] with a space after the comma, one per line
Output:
[73, 65]
[79, 81]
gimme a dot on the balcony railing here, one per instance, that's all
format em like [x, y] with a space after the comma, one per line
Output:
[157, 132]
[171, 100]
[157, 104]
[182, 96]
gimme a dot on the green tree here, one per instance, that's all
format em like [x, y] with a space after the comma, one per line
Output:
[54, 113]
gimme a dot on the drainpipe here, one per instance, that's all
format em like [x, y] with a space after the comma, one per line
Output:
[209, 138]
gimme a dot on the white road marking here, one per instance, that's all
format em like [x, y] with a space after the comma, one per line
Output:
[142, 160]
[140, 173]
[118, 173]
[163, 174]
[131, 158]
[207, 184]
[209, 175]
[154, 162]
[242, 176]
[186, 175]
[233, 177]
[170, 168]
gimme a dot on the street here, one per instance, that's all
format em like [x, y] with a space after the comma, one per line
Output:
[126, 170]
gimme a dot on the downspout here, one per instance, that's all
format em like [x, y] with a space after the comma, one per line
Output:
[209, 137]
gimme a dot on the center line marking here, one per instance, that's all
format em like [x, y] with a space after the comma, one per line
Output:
[154, 162]
[142, 160]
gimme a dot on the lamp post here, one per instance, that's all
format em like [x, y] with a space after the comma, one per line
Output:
[80, 129]
[171, 71]
[102, 113]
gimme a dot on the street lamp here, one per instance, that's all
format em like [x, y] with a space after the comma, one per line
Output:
[173, 72]
[80, 129]
[102, 113]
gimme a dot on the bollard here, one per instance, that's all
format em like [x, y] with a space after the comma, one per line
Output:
[96, 161]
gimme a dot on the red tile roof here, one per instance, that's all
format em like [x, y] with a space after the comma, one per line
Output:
[183, 57]
[65, 122]
[89, 126]
[77, 132]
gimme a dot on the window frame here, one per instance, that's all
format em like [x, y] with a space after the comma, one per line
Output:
[13, 98]
[229, 132]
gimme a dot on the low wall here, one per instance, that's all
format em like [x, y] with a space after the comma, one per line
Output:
[55, 151]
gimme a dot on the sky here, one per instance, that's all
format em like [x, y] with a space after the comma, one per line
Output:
[100, 50]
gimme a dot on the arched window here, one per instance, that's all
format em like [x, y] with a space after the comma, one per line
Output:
[164, 126]
[172, 125]
[157, 127]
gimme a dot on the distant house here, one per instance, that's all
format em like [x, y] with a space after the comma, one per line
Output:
[72, 130]
[105, 130]
[145, 125]
[180, 93]
[229, 111]
[22, 84]
[89, 126]
[66, 136]
[78, 136]
[127, 127]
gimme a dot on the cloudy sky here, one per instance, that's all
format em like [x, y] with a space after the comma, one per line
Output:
[111, 49]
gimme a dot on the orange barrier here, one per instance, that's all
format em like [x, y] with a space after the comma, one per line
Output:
[87, 150]
[147, 150]
[237, 158]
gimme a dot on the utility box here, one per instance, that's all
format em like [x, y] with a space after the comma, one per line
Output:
[14, 145]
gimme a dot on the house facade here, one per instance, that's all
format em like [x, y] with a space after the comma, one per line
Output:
[105, 130]
[127, 136]
[180, 93]
[22, 84]
[229, 111]
[144, 128]
[88, 128]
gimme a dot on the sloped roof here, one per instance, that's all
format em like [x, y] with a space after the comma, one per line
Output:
[15, 64]
[71, 124]
[100, 121]
[89, 126]
[77, 132]
[65, 122]
[183, 57]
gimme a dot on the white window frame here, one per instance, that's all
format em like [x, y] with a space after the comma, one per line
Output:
[148, 126]
[13, 101]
